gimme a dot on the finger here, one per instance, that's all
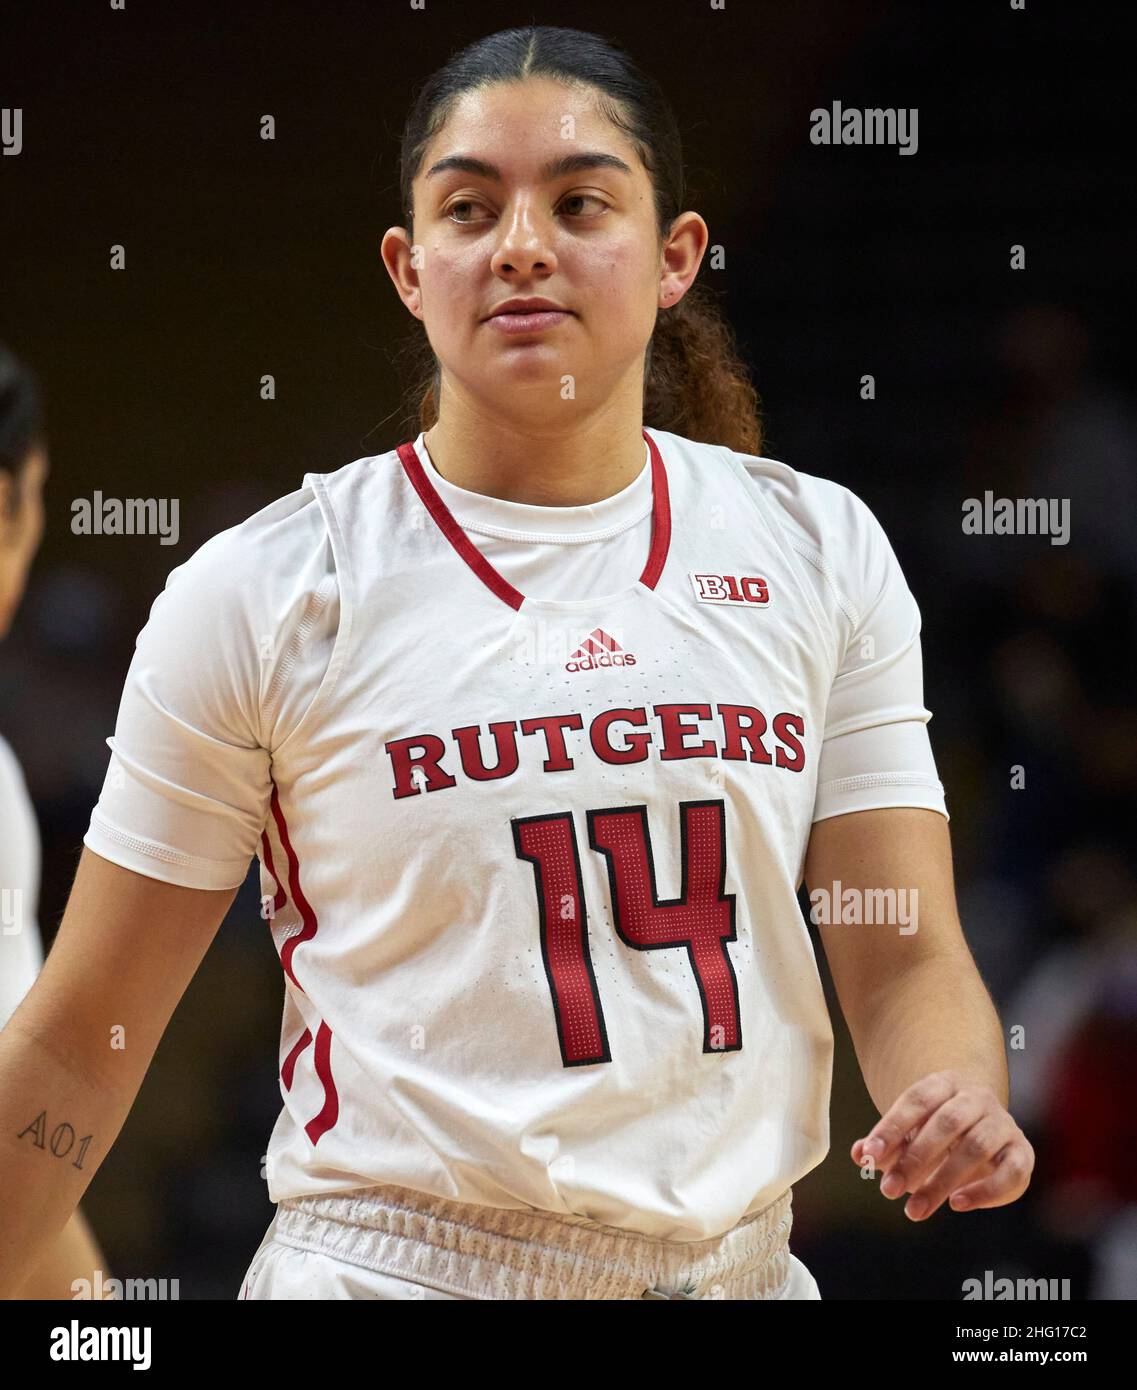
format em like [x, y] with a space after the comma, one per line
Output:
[857, 1150]
[942, 1131]
[1013, 1167]
[910, 1109]
[970, 1159]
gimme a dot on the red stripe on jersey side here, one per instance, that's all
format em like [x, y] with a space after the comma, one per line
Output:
[660, 518]
[330, 1113]
[286, 1071]
[497, 583]
[266, 854]
[307, 915]
[444, 519]
[322, 1057]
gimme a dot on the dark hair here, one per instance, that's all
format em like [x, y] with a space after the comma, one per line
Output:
[694, 381]
[21, 417]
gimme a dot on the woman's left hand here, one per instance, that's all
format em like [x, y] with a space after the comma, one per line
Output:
[947, 1137]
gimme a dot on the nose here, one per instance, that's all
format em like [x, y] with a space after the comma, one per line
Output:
[525, 241]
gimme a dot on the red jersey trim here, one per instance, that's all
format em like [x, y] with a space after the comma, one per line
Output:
[286, 1071]
[497, 583]
[322, 1052]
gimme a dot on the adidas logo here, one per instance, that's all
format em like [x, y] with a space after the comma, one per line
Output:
[598, 649]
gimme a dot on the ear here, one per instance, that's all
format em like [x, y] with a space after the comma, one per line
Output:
[399, 257]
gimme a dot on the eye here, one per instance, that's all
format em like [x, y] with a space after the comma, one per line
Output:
[582, 197]
[462, 203]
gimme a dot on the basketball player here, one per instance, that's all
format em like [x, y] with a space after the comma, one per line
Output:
[536, 723]
[23, 469]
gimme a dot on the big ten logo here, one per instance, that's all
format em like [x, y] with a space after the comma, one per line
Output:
[268, 906]
[266, 1167]
[11, 911]
[748, 590]
[267, 647]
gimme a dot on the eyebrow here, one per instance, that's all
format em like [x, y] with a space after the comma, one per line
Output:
[552, 169]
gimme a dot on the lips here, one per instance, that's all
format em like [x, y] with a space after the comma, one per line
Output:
[528, 306]
[538, 320]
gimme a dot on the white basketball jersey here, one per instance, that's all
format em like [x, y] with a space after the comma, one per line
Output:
[21, 950]
[531, 863]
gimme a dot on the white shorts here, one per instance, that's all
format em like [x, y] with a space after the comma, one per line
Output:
[392, 1242]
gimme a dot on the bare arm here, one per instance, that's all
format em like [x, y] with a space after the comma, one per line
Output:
[926, 1032]
[914, 1000]
[75, 1255]
[74, 1054]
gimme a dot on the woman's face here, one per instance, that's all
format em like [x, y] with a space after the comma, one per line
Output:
[514, 225]
[21, 533]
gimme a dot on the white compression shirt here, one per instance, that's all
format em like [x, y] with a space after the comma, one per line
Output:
[309, 677]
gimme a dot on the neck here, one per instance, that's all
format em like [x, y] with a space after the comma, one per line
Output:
[549, 462]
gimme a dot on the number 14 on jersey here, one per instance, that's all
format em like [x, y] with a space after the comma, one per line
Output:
[701, 920]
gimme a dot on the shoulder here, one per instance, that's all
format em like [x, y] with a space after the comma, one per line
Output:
[253, 607]
[249, 577]
[819, 512]
[260, 548]
[829, 528]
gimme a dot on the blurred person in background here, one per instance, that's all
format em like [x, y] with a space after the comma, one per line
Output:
[23, 469]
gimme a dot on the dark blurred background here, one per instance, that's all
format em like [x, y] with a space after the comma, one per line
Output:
[247, 257]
